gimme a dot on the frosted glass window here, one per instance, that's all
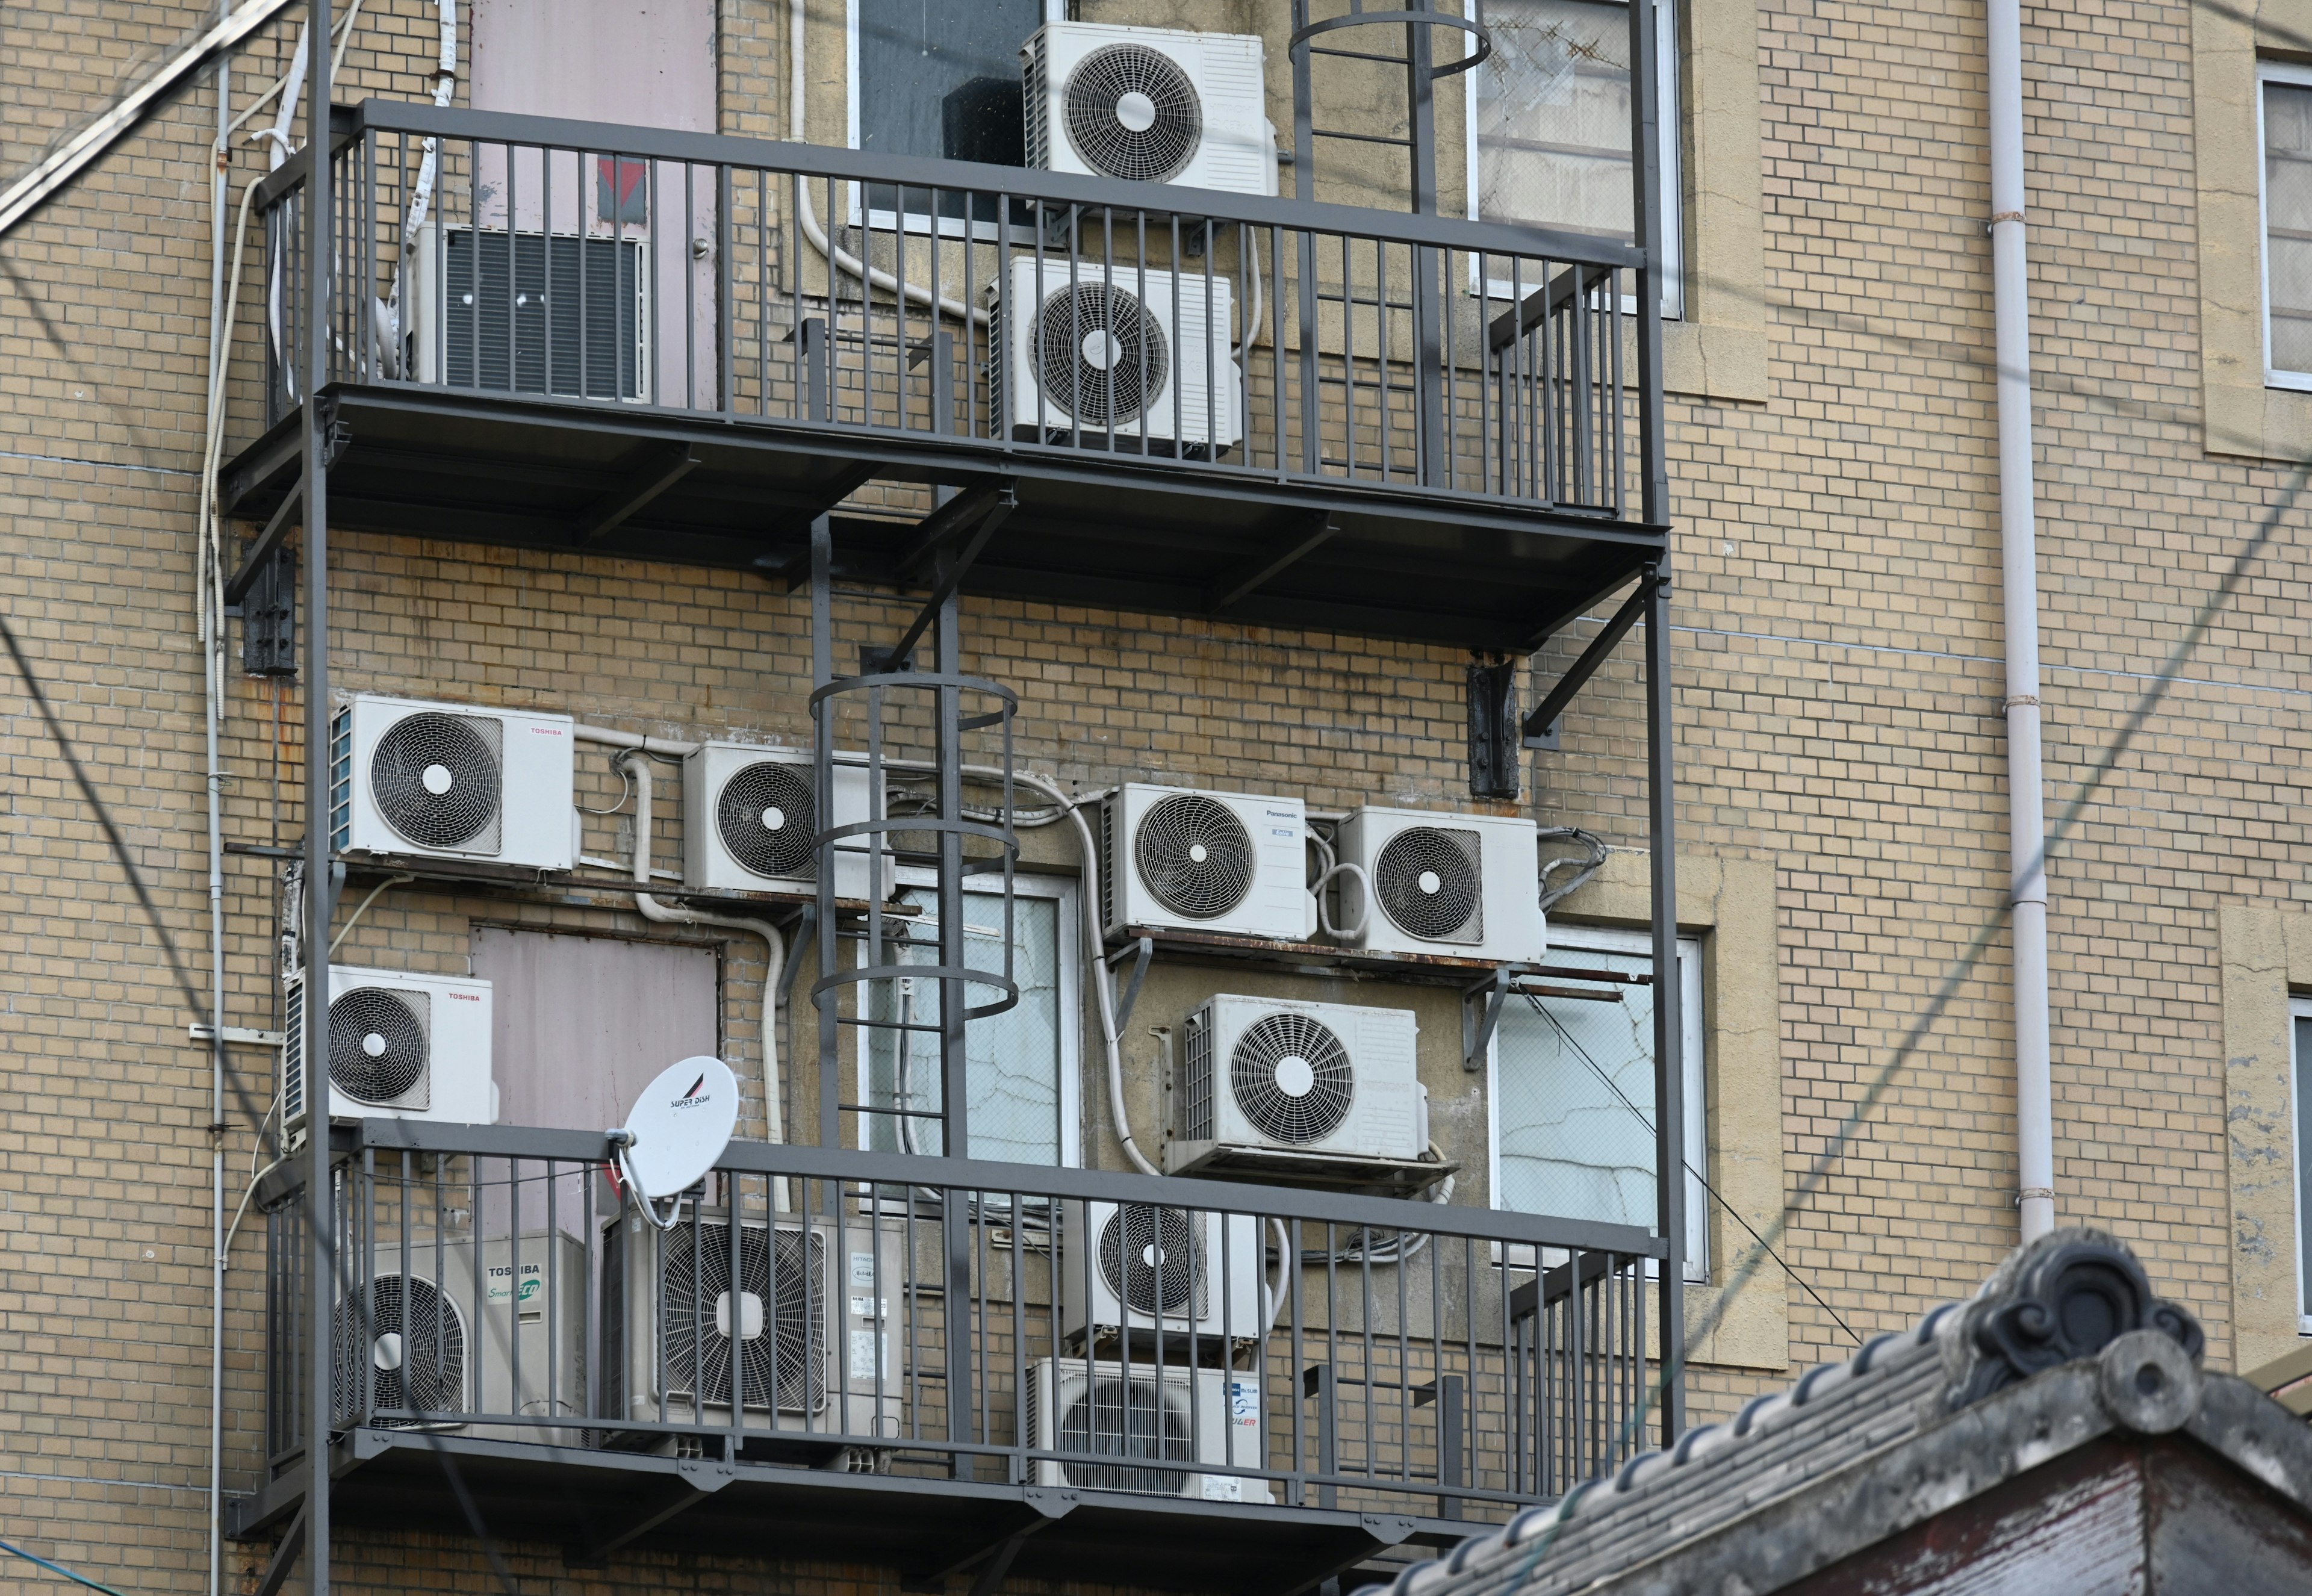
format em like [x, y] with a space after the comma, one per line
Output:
[2287, 229]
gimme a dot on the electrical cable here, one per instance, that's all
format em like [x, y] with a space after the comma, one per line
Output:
[78, 1579]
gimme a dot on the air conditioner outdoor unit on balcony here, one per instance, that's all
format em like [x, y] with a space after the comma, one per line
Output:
[1300, 1077]
[1182, 859]
[1177, 1276]
[1444, 883]
[1128, 358]
[1150, 105]
[1126, 1419]
[528, 312]
[452, 781]
[420, 1341]
[750, 815]
[401, 1046]
[806, 1324]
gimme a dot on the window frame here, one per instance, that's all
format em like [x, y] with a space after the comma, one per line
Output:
[1670, 117]
[2299, 1007]
[2295, 77]
[1068, 955]
[1695, 1062]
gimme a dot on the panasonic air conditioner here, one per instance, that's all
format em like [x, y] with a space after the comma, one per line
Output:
[1132, 359]
[1166, 1278]
[1148, 105]
[1180, 859]
[750, 816]
[806, 1323]
[450, 781]
[528, 312]
[1444, 883]
[1128, 1420]
[416, 1342]
[1306, 1077]
[401, 1046]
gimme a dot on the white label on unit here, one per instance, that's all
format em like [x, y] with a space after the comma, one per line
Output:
[1223, 1487]
[1244, 1402]
[863, 1270]
[863, 1353]
[870, 1308]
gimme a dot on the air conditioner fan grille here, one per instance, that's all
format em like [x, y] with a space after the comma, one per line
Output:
[767, 818]
[1126, 1418]
[1291, 1078]
[1101, 353]
[377, 1046]
[1150, 1258]
[702, 1317]
[1427, 880]
[1194, 855]
[1133, 113]
[416, 1347]
[435, 779]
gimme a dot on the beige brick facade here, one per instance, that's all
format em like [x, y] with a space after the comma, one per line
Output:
[1838, 684]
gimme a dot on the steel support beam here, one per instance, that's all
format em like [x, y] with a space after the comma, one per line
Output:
[613, 510]
[1005, 1533]
[268, 544]
[284, 1558]
[1314, 534]
[953, 564]
[1538, 724]
[1669, 1071]
[695, 1481]
[947, 521]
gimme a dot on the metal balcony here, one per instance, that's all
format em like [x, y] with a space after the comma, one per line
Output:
[1328, 1376]
[687, 348]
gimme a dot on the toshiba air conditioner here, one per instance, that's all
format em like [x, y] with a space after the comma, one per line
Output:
[1128, 358]
[1180, 859]
[401, 1046]
[415, 1352]
[452, 781]
[1303, 1077]
[528, 311]
[751, 816]
[1168, 1279]
[1148, 105]
[803, 1320]
[1444, 883]
[1117, 1426]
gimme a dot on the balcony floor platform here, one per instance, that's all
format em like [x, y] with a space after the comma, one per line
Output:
[1088, 528]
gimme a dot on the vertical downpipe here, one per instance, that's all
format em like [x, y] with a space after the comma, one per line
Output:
[2026, 827]
[212, 692]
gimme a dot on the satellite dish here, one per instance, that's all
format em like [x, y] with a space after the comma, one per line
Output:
[679, 1127]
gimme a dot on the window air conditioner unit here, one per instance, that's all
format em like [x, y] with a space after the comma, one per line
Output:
[1128, 1420]
[749, 818]
[806, 1323]
[1148, 105]
[528, 312]
[1180, 859]
[1305, 1077]
[1082, 354]
[450, 781]
[1462, 884]
[401, 1046]
[1177, 1276]
[418, 1342]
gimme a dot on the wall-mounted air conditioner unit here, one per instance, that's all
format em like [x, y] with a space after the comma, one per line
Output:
[451, 781]
[1079, 353]
[1306, 1078]
[1444, 883]
[749, 816]
[1179, 859]
[401, 1046]
[1138, 1268]
[417, 1340]
[806, 1325]
[528, 312]
[1150, 105]
[1129, 1418]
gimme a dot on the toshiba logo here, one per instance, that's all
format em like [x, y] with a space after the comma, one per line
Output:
[546, 731]
[464, 996]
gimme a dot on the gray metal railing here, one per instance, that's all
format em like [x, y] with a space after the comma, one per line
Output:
[922, 304]
[1122, 1333]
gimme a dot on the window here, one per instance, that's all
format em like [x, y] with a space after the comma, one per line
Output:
[941, 80]
[1571, 1095]
[2299, 1025]
[2285, 116]
[1549, 122]
[1020, 1064]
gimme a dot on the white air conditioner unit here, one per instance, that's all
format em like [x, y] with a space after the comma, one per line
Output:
[1180, 859]
[401, 1046]
[450, 781]
[809, 1328]
[1307, 1077]
[1467, 885]
[1167, 1278]
[1082, 353]
[528, 312]
[1128, 1419]
[749, 816]
[1150, 105]
[417, 1341]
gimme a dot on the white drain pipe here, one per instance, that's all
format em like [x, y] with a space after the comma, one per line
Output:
[2027, 822]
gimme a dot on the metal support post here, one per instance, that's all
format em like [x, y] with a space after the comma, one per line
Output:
[321, 1273]
[955, 1000]
[1670, 1073]
[830, 950]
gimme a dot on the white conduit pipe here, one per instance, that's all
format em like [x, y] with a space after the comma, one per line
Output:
[2035, 1130]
